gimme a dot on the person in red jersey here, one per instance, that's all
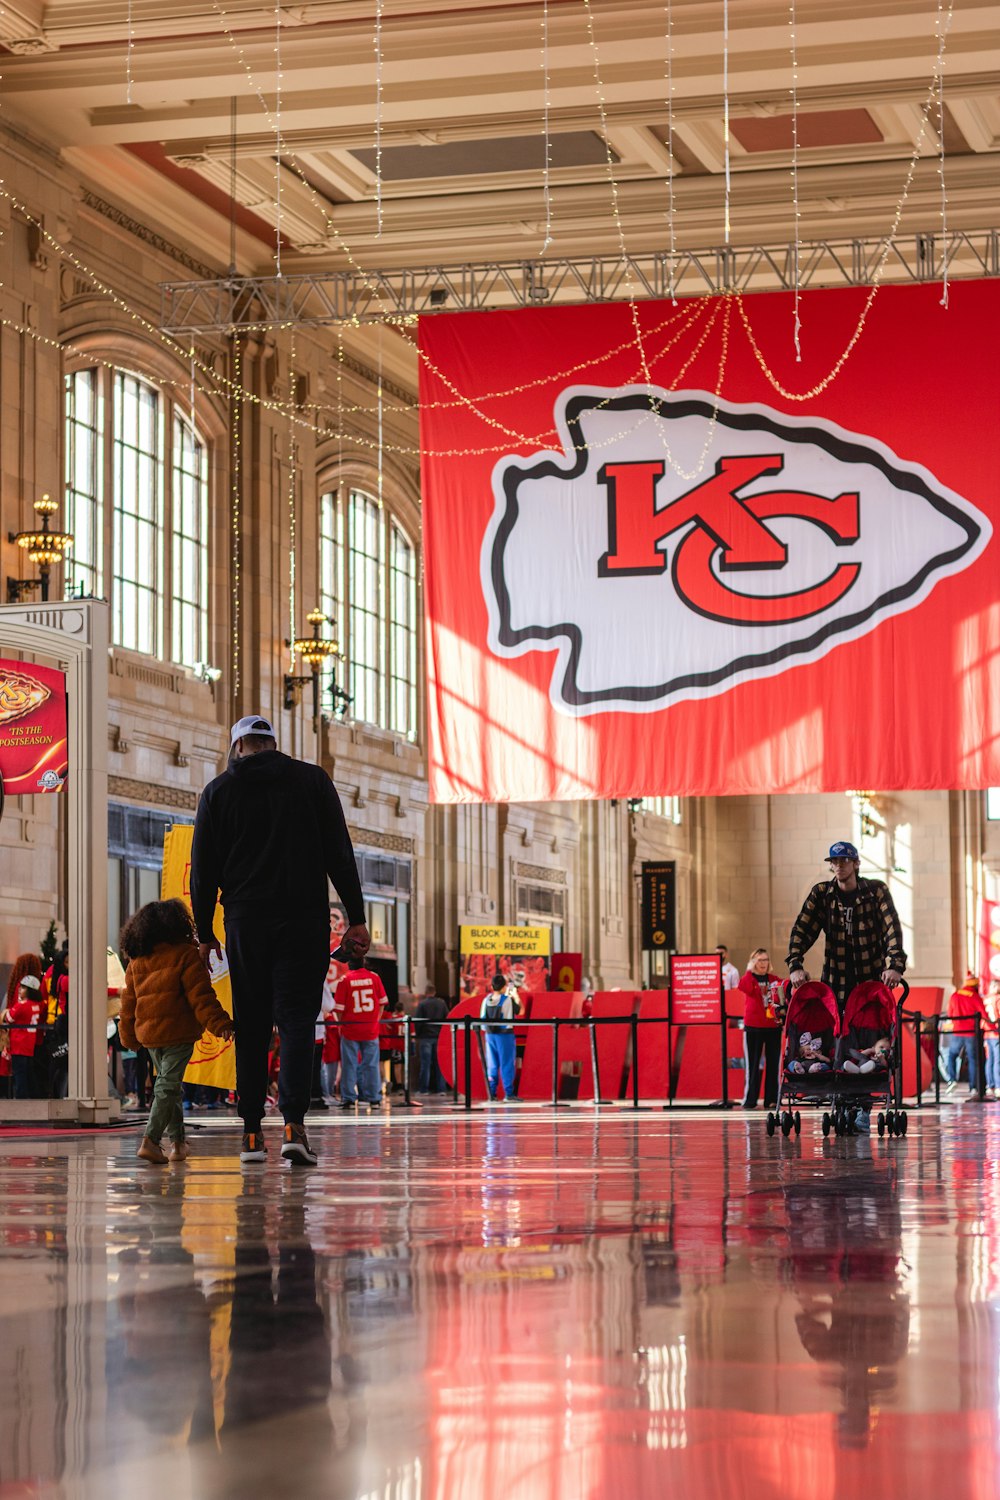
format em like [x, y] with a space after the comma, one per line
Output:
[357, 1005]
[24, 1016]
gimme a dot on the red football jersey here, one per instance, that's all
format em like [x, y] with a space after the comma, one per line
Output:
[357, 1004]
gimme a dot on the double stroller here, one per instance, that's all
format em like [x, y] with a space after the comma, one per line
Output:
[844, 1063]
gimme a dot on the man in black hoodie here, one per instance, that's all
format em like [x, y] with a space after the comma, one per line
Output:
[269, 832]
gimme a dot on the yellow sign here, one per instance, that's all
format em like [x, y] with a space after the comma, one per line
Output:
[213, 1061]
[533, 941]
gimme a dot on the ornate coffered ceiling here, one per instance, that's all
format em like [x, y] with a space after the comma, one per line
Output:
[146, 117]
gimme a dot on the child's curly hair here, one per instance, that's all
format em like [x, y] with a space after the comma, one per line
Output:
[157, 922]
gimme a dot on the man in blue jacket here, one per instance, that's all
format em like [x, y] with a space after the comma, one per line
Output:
[269, 834]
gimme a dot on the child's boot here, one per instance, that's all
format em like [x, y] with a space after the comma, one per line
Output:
[152, 1151]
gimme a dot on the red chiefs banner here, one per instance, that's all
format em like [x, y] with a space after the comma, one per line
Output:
[989, 942]
[33, 754]
[649, 569]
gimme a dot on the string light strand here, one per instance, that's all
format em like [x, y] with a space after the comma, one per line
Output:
[546, 133]
[671, 224]
[378, 118]
[796, 214]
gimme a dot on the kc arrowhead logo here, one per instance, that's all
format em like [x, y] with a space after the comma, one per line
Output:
[792, 537]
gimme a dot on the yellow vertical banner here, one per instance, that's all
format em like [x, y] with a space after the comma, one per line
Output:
[213, 1061]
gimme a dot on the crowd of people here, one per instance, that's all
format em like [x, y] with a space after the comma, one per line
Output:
[269, 836]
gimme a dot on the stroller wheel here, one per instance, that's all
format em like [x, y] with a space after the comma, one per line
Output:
[786, 1123]
[797, 1122]
[881, 1122]
[902, 1122]
[771, 1122]
[827, 1122]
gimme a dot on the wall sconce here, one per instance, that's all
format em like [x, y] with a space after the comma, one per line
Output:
[865, 807]
[44, 547]
[205, 673]
[314, 651]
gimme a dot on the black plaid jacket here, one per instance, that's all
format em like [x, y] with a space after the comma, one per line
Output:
[877, 941]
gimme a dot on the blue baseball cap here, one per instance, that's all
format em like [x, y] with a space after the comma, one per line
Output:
[843, 850]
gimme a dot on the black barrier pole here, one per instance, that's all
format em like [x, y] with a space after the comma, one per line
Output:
[980, 1059]
[898, 1070]
[634, 1020]
[920, 1058]
[406, 1060]
[670, 1065]
[725, 1058]
[468, 1061]
[555, 1062]
[593, 1059]
[937, 1059]
[454, 1062]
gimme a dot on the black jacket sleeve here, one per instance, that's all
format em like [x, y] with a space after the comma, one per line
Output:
[206, 871]
[338, 851]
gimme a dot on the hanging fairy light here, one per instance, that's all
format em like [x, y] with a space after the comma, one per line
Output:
[670, 147]
[796, 258]
[128, 57]
[277, 135]
[725, 112]
[943, 25]
[547, 138]
[378, 118]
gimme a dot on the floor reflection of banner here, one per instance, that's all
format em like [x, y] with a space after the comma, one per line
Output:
[213, 1061]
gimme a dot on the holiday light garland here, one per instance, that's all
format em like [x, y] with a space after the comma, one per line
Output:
[796, 213]
[831, 375]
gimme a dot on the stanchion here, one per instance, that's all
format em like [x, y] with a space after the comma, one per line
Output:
[593, 1059]
[555, 1062]
[454, 1063]
[725, 1058]
[937, 1059]
[406, 1061]
[920, 1059]
[468, 1061]
[634, 1022]
[980, 1059]
[898, 1080]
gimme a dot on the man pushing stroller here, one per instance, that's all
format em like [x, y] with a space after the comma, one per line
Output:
[857, 916]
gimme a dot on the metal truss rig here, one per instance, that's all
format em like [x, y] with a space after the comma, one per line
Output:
[228, 303]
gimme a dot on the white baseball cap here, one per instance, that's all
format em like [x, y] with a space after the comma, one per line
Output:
[251, 724]
[30, 982]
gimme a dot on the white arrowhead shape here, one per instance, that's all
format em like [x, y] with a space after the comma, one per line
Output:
[632, 642]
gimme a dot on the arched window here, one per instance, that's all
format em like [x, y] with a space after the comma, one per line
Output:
[137, 506]
[368, 583]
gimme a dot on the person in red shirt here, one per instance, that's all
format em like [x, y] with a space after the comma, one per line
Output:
[357, 1005]
[965, 1004]
[761, 1029]
[24, 1016]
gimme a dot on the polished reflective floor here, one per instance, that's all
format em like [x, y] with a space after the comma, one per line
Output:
[506, 1306]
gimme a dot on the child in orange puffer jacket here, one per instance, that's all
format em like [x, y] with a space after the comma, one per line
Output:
[167, 1003]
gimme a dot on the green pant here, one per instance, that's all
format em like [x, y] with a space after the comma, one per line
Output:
[166, 1117]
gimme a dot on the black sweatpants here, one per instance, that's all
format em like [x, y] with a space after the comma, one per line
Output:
[277, 971]
[766, 1039]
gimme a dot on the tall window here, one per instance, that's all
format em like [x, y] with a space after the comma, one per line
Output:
[662, 807]
[85, 562]
[137, 473]
[364, 566]
[403, 627]
[368, 583]
[137, 480]
[190, 561]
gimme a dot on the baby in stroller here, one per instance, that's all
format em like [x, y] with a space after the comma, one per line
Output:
[811, 1058]
[868, 1059]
